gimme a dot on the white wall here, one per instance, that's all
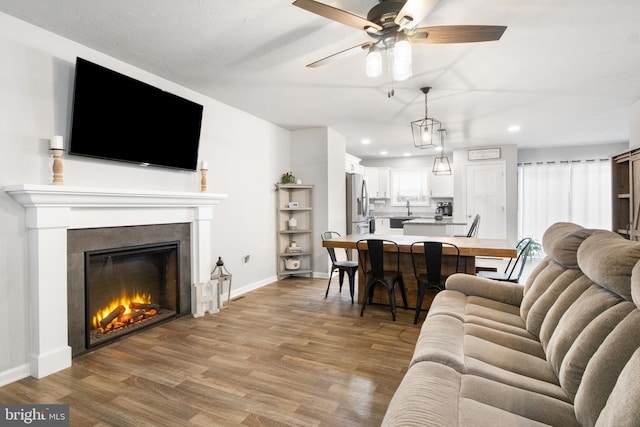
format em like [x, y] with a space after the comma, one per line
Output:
[317, 157]
[246, 156]
[634, 124]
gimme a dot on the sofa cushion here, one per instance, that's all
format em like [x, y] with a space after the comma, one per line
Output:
[437, 395]
[561, 241]
[608, 260]
[605, 378]
[635, 284]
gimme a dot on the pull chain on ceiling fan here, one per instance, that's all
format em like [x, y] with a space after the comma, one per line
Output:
[392, 25]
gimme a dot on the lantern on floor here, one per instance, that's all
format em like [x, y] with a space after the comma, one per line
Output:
[219, 275]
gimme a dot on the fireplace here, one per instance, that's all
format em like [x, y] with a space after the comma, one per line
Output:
[128, 289]
[56, 261]
[124, 279]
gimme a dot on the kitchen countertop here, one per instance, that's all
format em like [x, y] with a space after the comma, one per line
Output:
[432, 221]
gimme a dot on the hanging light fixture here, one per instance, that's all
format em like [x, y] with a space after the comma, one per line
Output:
[423, 130]
[441, 165]
[374, 61]
[399, 58]
[402, 58]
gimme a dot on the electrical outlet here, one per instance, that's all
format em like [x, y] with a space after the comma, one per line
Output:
[245, 259]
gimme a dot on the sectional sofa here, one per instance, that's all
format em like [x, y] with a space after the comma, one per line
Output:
[562, 350]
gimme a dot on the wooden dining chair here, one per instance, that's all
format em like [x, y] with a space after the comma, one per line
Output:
[426, 257]
[372, 256]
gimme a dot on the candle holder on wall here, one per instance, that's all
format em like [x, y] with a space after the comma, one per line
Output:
[203, 180]
[58, 178]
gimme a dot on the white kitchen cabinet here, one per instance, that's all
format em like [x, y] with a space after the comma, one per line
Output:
[378, 182]
[441, 186]
[383, 226]
[352, 164]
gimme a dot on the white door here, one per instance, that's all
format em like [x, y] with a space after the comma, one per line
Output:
[486, 196]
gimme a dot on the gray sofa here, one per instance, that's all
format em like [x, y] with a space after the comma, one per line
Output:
[562, 350]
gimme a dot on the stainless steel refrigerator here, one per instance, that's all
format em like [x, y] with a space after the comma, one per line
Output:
[357, 204]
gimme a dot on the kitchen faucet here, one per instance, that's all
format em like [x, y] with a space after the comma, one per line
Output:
[408, 208]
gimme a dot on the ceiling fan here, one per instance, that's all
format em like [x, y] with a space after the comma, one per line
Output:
[392, 26]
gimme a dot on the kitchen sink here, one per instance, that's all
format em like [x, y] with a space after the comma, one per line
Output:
[396, 221]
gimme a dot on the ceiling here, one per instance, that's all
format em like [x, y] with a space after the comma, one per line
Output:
[565, 71]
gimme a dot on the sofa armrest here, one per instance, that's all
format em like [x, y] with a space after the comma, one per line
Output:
[505, 292]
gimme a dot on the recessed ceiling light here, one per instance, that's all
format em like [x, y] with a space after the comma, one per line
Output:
[384, 153]
[407, 154]
[514, 128]
[366, 141]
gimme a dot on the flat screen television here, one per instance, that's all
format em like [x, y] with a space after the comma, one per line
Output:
[120, 118]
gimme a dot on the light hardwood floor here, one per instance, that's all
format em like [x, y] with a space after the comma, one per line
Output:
[280, 355]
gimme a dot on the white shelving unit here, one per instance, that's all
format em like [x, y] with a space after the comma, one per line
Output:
[294, 201]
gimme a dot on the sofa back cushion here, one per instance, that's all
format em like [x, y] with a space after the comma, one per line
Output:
[591, 324]
[609, 390]
[561, 242]
[554, 274]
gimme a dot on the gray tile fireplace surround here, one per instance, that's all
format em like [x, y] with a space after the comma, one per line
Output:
[89, 239]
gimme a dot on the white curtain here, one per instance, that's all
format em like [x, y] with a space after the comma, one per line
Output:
[578, 192]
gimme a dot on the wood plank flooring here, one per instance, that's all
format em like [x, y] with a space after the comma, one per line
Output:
[281, 355]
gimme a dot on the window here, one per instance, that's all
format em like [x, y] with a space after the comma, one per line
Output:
[410, 185]
[578, 191]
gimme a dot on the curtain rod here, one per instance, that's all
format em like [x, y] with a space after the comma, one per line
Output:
[553, 162]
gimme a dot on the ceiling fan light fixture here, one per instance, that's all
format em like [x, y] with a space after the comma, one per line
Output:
[374, 62]
[402, 58]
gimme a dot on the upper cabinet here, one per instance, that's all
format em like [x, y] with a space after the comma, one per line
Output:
[378, 182]
[352, 164]
[441, 186]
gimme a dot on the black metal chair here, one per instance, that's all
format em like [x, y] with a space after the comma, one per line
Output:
[372, 255]
[426, 257]
[515, 267]
[343, 266]
[473, 230]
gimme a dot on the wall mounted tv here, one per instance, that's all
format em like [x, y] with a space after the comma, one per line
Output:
[120, 118]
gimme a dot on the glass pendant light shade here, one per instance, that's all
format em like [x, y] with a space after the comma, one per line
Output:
[424, 133]
[402, 58]
[374, 62]
[441, 165]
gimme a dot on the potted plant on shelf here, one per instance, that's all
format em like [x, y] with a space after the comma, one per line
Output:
[287, 178]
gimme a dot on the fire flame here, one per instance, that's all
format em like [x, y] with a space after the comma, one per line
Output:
[124, 300]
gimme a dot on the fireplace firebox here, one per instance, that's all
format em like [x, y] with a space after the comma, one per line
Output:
[137, 275]
[129, 288]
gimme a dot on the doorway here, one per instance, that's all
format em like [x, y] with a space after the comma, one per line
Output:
[486, 196]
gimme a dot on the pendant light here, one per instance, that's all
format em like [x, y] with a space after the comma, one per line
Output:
[441, 165]
[424, 130]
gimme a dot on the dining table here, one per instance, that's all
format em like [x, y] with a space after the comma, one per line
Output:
[470, 248]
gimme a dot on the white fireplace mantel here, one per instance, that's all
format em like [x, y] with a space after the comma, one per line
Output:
[52, 209]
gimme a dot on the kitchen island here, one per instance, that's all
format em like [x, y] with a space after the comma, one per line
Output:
[431, 227]
[470, 247]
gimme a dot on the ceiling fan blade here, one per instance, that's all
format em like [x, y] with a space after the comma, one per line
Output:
[338, 15]
[414, 11]
[457, 34]
[342, 54]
